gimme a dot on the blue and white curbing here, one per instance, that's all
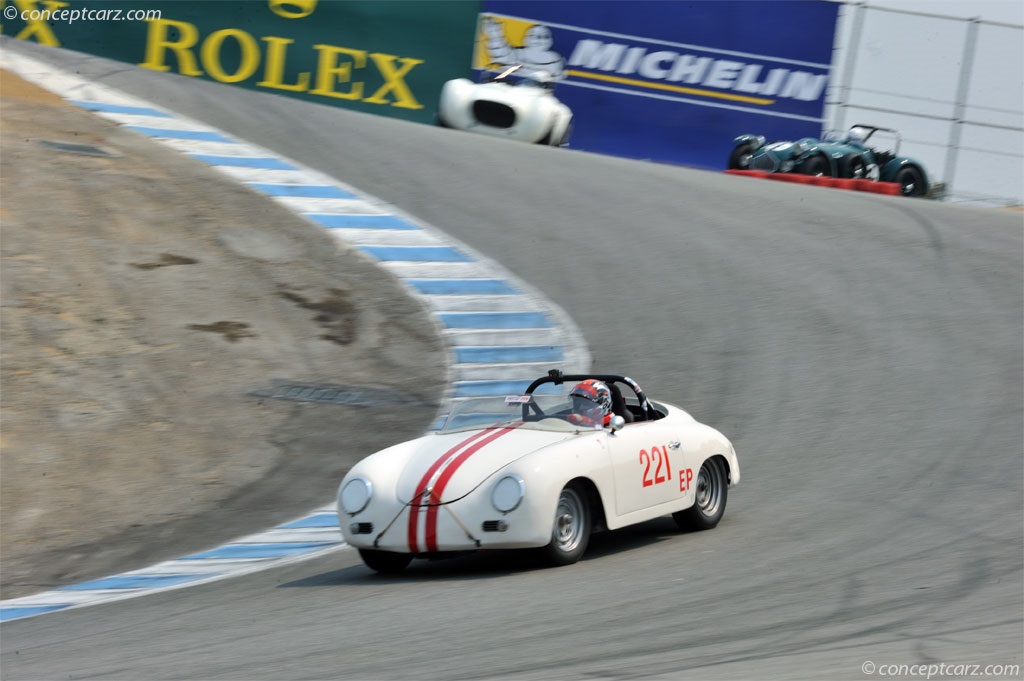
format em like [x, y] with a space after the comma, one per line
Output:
[501, 332]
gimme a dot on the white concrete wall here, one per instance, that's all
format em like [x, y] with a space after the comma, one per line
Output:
[958, 98]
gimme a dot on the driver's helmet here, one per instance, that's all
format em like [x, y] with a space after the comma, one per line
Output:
[591, 403]
[857, 135]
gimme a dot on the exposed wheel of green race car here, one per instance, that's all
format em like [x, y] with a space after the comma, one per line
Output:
[739, 159]
[853, 166]
[712, 492]
[816, 165]
[911, 181]
[385, 562]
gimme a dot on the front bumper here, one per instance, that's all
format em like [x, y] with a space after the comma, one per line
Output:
[468, 524]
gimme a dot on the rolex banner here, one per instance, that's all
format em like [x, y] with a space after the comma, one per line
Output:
[387, 58]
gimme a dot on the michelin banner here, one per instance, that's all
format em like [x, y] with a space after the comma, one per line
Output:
[671, 81]
[387, 58]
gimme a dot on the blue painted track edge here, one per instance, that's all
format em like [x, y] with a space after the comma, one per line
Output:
[501, 356]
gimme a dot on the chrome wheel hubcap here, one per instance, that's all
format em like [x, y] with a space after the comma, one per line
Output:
[568, 529]
[709, 488]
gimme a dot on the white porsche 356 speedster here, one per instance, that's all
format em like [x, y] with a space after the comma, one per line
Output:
[515, 104]
[538, 470]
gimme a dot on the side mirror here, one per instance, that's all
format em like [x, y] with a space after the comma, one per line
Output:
[616, 423]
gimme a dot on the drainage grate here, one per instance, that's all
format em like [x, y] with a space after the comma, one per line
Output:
[334, 394]
[83, 149]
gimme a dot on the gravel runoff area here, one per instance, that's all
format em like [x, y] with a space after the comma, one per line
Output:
[151, 311]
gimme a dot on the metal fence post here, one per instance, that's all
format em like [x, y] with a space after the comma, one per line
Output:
[960, 106]
[857, 28]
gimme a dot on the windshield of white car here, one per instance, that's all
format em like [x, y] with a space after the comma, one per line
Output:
[543, 412]
[537, 82]
[529, 79]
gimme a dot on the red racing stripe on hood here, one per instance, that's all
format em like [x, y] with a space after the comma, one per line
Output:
[417, 497]
[446, 475]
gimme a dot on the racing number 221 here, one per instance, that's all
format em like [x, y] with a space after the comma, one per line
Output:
[662, 472]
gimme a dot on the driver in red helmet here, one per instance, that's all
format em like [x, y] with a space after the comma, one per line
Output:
[591, 403]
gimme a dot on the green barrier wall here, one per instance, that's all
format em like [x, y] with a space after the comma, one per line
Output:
[382, 57]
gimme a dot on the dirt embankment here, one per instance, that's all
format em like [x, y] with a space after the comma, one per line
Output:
[144, 300]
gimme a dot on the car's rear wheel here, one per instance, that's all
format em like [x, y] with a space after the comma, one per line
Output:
[570, 532]
[385, 562]
[853, 166]
[911, 181]
[712, 491]
[816, 165]
[739, 159]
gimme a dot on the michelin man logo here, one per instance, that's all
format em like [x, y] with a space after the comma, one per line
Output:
[292, 9]
[534, 54]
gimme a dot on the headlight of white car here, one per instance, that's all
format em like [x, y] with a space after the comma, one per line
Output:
[508, 493]
[355, 495]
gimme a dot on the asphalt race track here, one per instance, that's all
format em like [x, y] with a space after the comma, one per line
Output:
[863, 352]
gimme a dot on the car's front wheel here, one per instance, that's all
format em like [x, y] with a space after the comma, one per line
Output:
[711, 491]
[564, 140]
[739, 159]
[570, 532]
[385, 562]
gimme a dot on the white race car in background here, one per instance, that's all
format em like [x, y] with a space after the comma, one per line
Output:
[517, 104]
[520, 472]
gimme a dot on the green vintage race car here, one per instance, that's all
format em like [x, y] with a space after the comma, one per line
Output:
[851, 154]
